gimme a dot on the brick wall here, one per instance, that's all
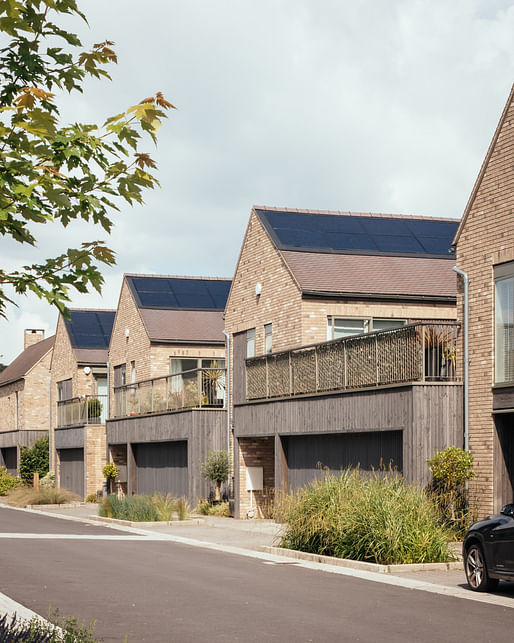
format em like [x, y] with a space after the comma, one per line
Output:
[32, 336]
[487, 238]
[256, 452]
[36, 397]
[11, 398]
[95, 456]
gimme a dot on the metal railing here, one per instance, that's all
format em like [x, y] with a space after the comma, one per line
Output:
[88, 409]
[197, 388]
[419, 352]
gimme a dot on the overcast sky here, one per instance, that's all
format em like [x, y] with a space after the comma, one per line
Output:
[370, 106]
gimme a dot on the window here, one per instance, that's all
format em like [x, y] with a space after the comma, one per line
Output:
[64, 390]
[348, 326]
[206, 385]
[268, 338]
[120, 375]
[250, 343]
[132, 372]
[504, 323]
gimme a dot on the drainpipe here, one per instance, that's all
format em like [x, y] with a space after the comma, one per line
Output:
[466, 356]
[227, 402]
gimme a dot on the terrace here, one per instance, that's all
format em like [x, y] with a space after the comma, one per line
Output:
[193, 389]
[78, 411]
[421, 352]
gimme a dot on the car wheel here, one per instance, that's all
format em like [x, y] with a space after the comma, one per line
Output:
[476, 571]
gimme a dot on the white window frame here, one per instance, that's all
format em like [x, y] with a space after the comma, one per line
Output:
[367, 324]
[268, 338]
[250, 343]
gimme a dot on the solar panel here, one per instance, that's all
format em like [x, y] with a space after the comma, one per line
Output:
[180, 293]
[90, 328]
[359, 233]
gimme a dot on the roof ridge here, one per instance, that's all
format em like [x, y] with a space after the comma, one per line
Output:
[355, 214]
[130, 274]
[92, 310]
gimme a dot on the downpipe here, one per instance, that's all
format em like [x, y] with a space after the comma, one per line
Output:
[227, 402]
[466, 355]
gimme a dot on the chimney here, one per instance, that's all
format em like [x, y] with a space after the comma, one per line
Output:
[33, 336]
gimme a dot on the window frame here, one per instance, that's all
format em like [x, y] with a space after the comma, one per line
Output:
[503, 273]
[367, 324]
[250, 342]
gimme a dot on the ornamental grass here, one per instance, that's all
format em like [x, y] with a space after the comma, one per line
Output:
[365, 516]
[145, 508]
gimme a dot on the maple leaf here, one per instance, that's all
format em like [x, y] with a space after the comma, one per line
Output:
[162, 102]
[144, 160]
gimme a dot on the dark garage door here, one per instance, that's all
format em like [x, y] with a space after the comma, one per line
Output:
[306, 453]
[162, 467]
[9, 458]
[72, 470]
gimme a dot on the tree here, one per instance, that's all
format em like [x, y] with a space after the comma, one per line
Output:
[53, 173]
[34, 460]
[216, 469]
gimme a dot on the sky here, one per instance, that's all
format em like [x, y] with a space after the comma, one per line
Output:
[368, 106]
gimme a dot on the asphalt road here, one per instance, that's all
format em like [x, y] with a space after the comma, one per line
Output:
[165, 591]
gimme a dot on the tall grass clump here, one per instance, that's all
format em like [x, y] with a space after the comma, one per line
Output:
[374, 517]
[146, 508]
[23, 496]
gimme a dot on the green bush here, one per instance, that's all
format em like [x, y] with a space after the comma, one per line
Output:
[372, 517]
[91, 498]
[111, 471]
[451, 469]
[16, 630]
[216, 469]
[48, 481]
[203, 507]
[94, 408]
[35, 460]
[148, 508]
[220, 509]
[7, 481]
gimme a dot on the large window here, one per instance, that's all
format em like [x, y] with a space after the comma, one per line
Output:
[206, 385]
[504, 323]
[268, 338]
[120, 375]
[348, 326]
[64, 390]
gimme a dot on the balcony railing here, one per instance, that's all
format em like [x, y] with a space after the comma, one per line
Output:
[419, 352]
[198, 388]
[89, 409]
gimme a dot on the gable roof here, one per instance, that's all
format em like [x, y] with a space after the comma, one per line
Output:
[365, 255]
[26, 360]
[178, 309]
[483, 168]
[89, 331]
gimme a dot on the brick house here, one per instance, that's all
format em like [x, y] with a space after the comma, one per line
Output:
[167, 382]
[24, 398]
[343, 341]
[80, 399]
[485, 252]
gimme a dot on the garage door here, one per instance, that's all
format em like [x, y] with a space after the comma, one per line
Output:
[162, 467]
[9, 458]
[305, 454]
[72, 470]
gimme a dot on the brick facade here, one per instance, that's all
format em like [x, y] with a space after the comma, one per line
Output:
[257, 452]
[486, 239]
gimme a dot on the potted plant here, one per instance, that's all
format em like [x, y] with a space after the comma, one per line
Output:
[110, 472]
[94, 410]
[216, 469]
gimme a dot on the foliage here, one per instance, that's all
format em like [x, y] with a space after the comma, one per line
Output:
[35, 460]
[450, 470]
[7, 481]
[55, 173]
[48, 481]
[23, 496]
[206, 508]
[147, 508]
[372, 517]
[91, 498]
[216, 469]
[94, 408]
[111, 471]
[57, 629]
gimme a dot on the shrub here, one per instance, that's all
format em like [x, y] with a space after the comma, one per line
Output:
[48, 481]
[34, 460]
[7, 481]
[23, 496]
[220, 509]
[450, 470]
[110, 471]
[94, 408]
[15, 630]
[216, 469]
[91, 498]
[203, 507]
[375, 517]
[154, 508]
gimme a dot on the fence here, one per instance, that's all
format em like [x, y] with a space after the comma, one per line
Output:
[198, 388]
[89, 409]
[419, 352]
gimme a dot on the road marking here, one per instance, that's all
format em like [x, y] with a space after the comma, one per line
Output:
[25, 536]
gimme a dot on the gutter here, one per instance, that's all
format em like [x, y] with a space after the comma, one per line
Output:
[391, 297]
[466, 355]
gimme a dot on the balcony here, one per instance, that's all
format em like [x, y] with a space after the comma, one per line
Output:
[198, 388]
[78, 411]
[420, 352]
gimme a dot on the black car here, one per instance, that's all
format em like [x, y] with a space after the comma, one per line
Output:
[488, 551]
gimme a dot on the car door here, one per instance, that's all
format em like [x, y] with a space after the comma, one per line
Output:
[503, 542]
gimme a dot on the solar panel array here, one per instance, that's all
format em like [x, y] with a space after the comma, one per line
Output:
[178, 293]
[90, 328]
[359, 234]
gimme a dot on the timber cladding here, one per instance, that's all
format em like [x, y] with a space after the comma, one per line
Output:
[486, 239]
